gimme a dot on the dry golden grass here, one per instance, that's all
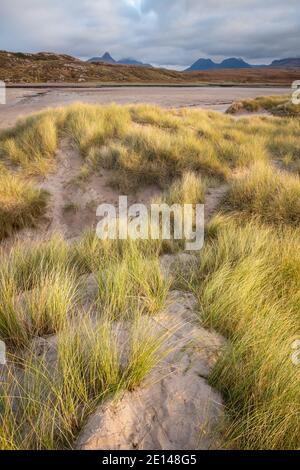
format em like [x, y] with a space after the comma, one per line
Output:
[21, 204]
[45, 400]
[270, 194]
[148, 144]
[145, 144]
[190, 189]
[44, 403]
[276, 105]
[32, 143]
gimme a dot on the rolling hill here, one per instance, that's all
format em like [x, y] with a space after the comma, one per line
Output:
[46, 67]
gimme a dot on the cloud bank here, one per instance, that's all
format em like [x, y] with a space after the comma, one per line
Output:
[165, 32]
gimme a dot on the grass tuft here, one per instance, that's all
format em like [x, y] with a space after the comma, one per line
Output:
[248, 288]
[270, 194]
[21, 205]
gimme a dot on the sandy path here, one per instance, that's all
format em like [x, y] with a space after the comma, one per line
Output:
[72, 203]
[175, 408]
[21, 102]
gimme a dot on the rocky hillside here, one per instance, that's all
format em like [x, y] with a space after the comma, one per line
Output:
[49, 67]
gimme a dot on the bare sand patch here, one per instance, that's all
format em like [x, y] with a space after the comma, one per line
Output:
[175, 408]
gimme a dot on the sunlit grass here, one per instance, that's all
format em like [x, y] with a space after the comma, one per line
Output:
[89, 125]
[144, 144]
[134, 283]
[46, 397]
[248, 288]
[246, 281]
[276, 105]
[155, 116]
[272, 195]
[39, 311]
[148, 142]
[32, 143]
[45, 402]
[190, 189]
[21, 204]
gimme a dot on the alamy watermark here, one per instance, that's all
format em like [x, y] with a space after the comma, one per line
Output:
[2, 92]
[295, 356]
[2, 353]
[160, 221]
[296, 92]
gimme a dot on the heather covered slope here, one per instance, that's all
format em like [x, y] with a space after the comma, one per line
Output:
[47, 67]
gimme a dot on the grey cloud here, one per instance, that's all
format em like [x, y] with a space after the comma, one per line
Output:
[159, 31]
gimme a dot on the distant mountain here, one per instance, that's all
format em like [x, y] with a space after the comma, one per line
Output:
[130, 61]
[208, 64]
[108, 59]
[234, 63]
[286, 63]
[203, 64]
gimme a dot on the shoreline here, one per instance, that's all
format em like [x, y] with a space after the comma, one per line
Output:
[141, 85]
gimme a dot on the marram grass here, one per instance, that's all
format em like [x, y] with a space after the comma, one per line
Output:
[247, 283]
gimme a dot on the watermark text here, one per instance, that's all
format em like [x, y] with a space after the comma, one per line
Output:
[160, 221]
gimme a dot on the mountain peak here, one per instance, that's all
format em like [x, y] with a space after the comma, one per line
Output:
[233, 62]
[208, 64]
[108, 59]
[202, 64]
[290, 62]
[105, 58]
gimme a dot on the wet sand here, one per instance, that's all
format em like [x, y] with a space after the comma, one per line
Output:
[23, 101]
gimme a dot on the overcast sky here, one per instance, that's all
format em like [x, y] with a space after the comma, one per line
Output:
[164, 32]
